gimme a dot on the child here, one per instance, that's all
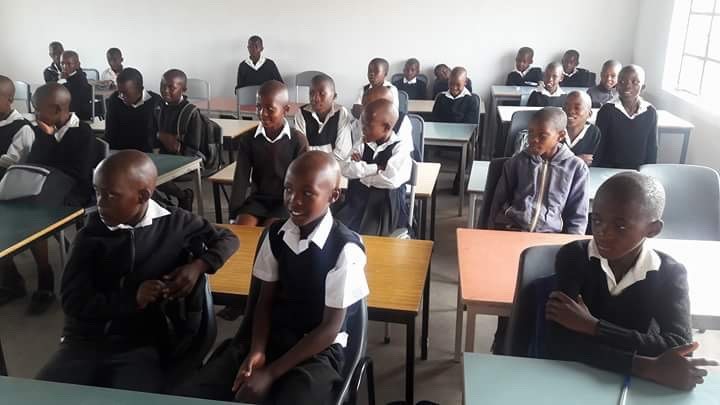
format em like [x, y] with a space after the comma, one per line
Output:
[76, 81]
[403, 126]
[543, 188]
[619, 304]
[414, 87]
[378, 170]
[266, 155]
[376, 73]
[325, 123]
[115, 60]
[16, 133]
[312, 272]
[52, 73]
[131, 261]
[442, 78]
[628, 126]
[548, 92]
[582, 137]
[131, 115]
[256, 69]
[605, 92]
[524, 74]
[457, 103]
[573, 76]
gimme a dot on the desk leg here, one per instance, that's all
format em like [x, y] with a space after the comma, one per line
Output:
[410, 362]
[433, 204]
[422, 221]
[218, 204]
[463, 163]
[62, 247]
[686, 142]
[198, 193]
[489, 130]
[458, 325]
[3, 366]
[424, 339]
[472, 208]
[470, 330]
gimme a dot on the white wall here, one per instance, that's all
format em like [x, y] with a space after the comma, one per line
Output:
[207, 39]
[651, 43]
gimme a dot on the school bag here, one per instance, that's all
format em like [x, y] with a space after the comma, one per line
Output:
[210, 148]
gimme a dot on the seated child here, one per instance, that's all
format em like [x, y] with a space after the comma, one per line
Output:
[582, 137]
[403, 126]
[115, 60]
[628, 126]
[312, 272]
[524, 74]
[548, 92]
[619, 304]
[543, 188]
[76, 81]
[266, 155]
[573, 76]
[410, 83]
[457, 103]
[325, 123]
[52, 73]
[130, 260]
[376, 74]
[16, 133]
[131, 121]
[380, 166]
[605, 92]
[256, 69]
[442, 78]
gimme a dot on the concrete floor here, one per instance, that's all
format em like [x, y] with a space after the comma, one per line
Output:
[29, 341]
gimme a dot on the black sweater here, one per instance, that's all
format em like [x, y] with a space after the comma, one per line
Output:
[106, 268]
[415, 91]
[537, 99]
[191, 129]
[442, 85]
[81, 94]
[247, 76]
[581, 78]
[128, 127]
[590, 142]
[649, 317]
[51, 74]
[461, 110]
[531, 78]
[626, 143]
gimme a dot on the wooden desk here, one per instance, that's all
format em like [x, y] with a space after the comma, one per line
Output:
[420, 106]
[232, 130]
[488, 266]
[668, 124]
[170, 167]
[398, 274]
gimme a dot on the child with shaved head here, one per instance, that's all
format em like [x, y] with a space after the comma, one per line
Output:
[619, 304]
[402, 127]
[582, 136]
[606, 91]
[127, 264]
[16, 133]
[73, 77]
[548, 92]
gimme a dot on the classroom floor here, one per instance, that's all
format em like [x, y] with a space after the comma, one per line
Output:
[29, 341]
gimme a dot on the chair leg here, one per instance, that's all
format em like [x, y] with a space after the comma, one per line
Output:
[387, 333]
[370, 381]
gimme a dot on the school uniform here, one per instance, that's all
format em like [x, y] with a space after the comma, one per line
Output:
[268, 160]
[106, 340]
[541, 97]
[578, 78]
[133, 126]
[587, 141]
[645, 313]
[333, 135]
[393, 92]
[530, 77]
[441, 86]
[81, 93]
[403, 128]
[52, 73]
[375, 202]
[16, 139]
[415, 88]
[255, 74]
[628, 141]
[601, 96]
[461, 109]
[109, 75]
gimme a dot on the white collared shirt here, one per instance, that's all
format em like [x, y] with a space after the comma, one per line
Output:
[515, 69]
[393, 91]
[145, 97]
[558, 92]
[580, 136]
[642, 107]
[21, 144]
[406, 81]
[404, 132]
[284, 132]
[397, 170]
[463, 93]
[73, 122]
[345, 284]
[570, 74]
[647, 261]
[255, 66]
[109, 75]
[343, 141]
[153, 212]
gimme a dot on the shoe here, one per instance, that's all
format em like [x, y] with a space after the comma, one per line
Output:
[230, 313]
[40, 302]
[186, 202]
[8, 294]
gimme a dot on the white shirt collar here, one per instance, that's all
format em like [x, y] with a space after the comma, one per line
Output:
[284, 132]
[570, 74]
[73, 122]
[580, 136]
[14, 116]
[515, 69]
[463, 93]
[153, 212]
[378, 148]
[647, 261]
[145, 97]
[255, 66]
[318, 236]
[385, 84]
[333, 109]
[406, 81]
[642, 107]
[545, 92]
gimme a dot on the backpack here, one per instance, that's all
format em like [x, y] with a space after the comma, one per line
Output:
[210, 140]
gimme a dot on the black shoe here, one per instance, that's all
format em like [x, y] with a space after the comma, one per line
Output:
[230, 313]
[8, 294]
[186, 202]
[40, 302]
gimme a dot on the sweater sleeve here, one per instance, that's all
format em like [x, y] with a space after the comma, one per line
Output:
[513, 79]
[652, 142]
[437, 111]
[274, 72]
[601, 154]
[241, 178]
[191, 139]
[240, 82]
[112, 130]
[534, 100]
[575, 213]
[220, 242]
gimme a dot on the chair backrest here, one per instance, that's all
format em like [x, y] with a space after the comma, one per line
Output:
[198, 90]
[520, 121]
[403, 101]
[495, 170]
[356, 348]
[592, 79]
[534, 282]
[692, 203]
[102, 150]
[3, 366]
[304, 79]
[418, 135]
[92, 74]
[245, 96]
[23, 93]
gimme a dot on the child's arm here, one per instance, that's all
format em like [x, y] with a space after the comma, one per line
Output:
[396, 172]
[575, 212]
[472, 115]
[20, 147]
[275, 72]
[343, 142]
[192, 138]
[652, 143]
[503, 194]
[241, 178]
[601, 122]
[534, 100]
[355, 168]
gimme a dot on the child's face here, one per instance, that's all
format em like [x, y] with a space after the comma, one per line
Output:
[553, 77]
[172, 89]
[6, 99]
[48, 112]
[271, 111]
[577, 111]
[376, 74]
[55, 53]
[523, 61]
[117, 201]
[543, 138]
[322, 97]
[308, 195]
[129, 92]
[570, 63]
[629, 85]
[456, 84]
[374, 128]
[609, 77]
[115, 61]
[410, 71]
[255, 49]
[442, 73]
[70, 64]
[619, 226]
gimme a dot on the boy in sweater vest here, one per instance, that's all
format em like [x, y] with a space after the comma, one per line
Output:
[619, 304]
[16, 133]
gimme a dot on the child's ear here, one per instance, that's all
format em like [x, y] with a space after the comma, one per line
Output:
[286, 108]
[654, 228]
[642, 88]
[562, 134]
[144, 195]
[335, 195]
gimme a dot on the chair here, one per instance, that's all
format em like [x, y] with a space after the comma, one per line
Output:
[403, 101]
[418, 135]
[198, 89]
[3, 366]
[495, 170]
[478, 135]
[692, 206]
[304, 79]
[520, 121]
[246, 96]
[23, 93]
[535, 281]
[357, 363]
[92, 74]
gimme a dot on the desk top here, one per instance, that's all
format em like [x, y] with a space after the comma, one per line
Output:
[234, 128]
[170, 167]
[420, 106]
[395, 271]
[647, 393]
[666, 119]
[445, 131]
[518, 91]
[228, 105]
[24, 223]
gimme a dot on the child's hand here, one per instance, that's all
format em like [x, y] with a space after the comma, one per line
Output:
[586, 158]
[149, 292]
[571, 314]
[48, 129]
[252, 362]
[381, 167]
[170, 142]
[181, 281]
[356, 157]
[675, 370]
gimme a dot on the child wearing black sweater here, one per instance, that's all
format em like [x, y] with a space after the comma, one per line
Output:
[573, 76]
[619, 304]
[582, 136]
[456, 104]
[256, 69]
[524, 74]
[548, 93]
[76, 81]
[52, 73]
[128, 266]
[410, 83]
